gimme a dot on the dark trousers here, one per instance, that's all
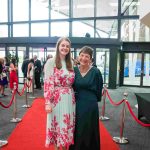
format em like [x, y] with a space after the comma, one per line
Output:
[37, 80]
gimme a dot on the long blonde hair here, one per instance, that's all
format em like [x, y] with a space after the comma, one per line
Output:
[68, 56]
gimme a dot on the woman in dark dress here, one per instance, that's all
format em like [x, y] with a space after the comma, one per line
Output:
[88, 88]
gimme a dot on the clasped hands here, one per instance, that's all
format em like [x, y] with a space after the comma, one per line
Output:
[48, 108]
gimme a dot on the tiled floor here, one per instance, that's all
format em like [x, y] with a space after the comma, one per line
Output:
[137, 135]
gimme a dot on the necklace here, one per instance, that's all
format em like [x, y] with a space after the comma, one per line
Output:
[83, 72]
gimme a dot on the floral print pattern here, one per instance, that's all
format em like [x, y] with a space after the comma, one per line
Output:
[59, 93]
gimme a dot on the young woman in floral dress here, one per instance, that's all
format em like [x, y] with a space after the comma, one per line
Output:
[59, 97]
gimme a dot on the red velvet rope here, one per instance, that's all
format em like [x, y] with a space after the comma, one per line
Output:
[135, 118]
[111, 101]
[129, 107]
[22, 92]
[10, 103]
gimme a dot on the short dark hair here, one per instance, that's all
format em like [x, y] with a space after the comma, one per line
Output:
[87, 50]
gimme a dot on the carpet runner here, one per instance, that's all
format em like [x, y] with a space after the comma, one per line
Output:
[29, 134]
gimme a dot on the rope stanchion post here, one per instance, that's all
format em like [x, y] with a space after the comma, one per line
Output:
[121, 139]
[33, 83]
[15, 119]
[103, 117]
[26, 97]
[3, 143]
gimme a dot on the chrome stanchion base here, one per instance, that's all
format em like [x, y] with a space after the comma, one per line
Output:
[3, 143]
[122, 140]
[103, 118]
[26, 106]
[31, 97]
[15, 120]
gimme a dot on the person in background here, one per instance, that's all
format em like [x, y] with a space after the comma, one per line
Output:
[24, 67]
[7, 64]
[37, 72]
[47, 58]
[30, 74]
[42, 74]
[3, 77]
[13, 74]
[59, 97]
[88, 91]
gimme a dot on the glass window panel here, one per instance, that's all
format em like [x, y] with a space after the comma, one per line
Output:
[107, 28]
[83, 8]
[20, 10]
[3, 30]
[59, 9]
[107, 8]
[39, 9]
[20, 30]
[102, 62]
[132, 68]
[21, 54]
[2, 52]
[11, 51]
[3, 11]
[130, 7]
[36, 51]
[133, 30]
[83, 28]
[146, 76]
[39, 29]
[51, 50]
[60, 29]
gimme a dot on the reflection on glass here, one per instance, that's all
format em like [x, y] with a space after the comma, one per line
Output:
[20, 10]
[107, 28]
[20, 30]
[82, 8]
[39, 10]
[60, 29]
[107, 8]
[102, 62]
[133, 30]
[59, 9]
[39, 29]
[146, 77]
[3, 30]
[21, 55]
[129, 7]
[132, 69]
[3, 11]
[83, 28]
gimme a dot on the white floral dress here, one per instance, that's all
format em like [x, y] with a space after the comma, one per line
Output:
[59, 93]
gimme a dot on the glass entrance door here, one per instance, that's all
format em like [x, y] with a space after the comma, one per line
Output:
[41, 52]
[102, 62]
[2, 52]
[19, 53]
[132, 69]
[146, 70]
[21, 50]
[137, 69]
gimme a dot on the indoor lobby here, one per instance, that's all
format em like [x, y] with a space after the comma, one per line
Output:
[119, 33]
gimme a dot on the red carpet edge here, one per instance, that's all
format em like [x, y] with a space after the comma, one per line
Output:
[29, 134]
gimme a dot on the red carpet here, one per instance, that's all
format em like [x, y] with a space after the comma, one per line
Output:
[29, 134]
